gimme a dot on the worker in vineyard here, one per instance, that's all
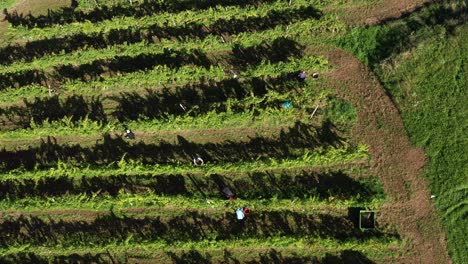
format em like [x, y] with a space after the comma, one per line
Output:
[242, 212]
[286, 105]
[129, 134]
[302, 76]
[228, 193]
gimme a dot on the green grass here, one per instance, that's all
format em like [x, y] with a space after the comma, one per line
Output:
[6, 3]
[429, 84]
[422, 62]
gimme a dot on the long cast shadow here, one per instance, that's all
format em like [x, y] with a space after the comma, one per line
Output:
[187, 226]
[199, 257]
[77, 107]
[154, 33]
[34, 258]
[200, 98]
[281, 48]
[290, 143]
[283, 185]
[70, 14]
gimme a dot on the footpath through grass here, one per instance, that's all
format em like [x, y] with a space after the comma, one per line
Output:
[422, 62]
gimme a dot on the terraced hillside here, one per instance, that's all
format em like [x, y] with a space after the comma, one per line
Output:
[216, 80]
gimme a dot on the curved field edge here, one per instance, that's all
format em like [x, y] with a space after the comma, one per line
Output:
[398, 164]
[438, 69]
[421, 61]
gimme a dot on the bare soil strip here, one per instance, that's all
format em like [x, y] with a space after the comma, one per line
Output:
[398, 164]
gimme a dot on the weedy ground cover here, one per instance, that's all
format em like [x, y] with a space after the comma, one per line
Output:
[438, 69]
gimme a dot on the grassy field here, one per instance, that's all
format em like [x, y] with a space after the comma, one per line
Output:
[429, 85]
[216, 80]
[426, 74]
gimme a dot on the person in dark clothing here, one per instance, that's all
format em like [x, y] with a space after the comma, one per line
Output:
[129, 134]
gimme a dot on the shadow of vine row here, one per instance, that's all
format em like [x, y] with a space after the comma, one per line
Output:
[145, 8]
[154, 33]
[283, 185]
[200, 98]
[186, 226]
[193, 256]
[289, 143]
[273, 256]
[77, 107]
[280, 49]
[34, 258]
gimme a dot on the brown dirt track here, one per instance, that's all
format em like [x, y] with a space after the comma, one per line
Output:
[398, 164]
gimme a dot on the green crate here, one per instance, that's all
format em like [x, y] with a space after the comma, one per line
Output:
[367, 219]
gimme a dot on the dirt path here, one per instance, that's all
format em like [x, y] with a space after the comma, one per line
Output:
[398, 164]
[376, 13]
